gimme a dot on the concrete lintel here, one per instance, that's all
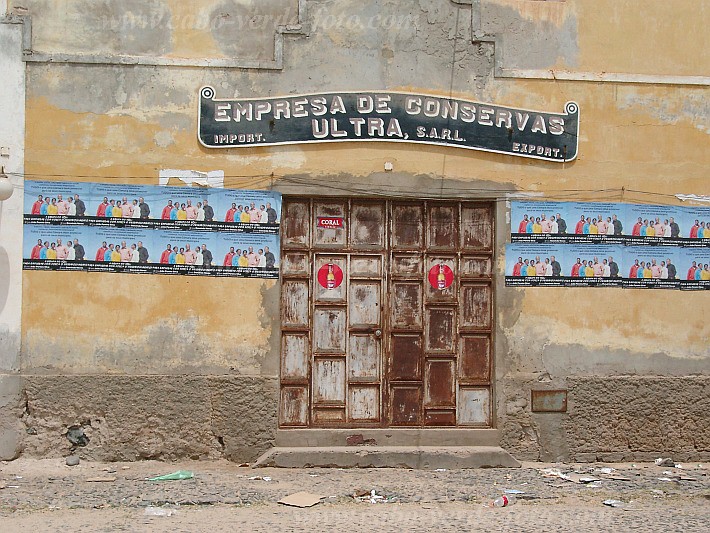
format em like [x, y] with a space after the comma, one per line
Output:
[388, 437]
[418, 457]
[33, 56]
[162, 61]
[603, 77]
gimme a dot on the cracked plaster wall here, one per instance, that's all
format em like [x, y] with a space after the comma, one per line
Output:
[151, 417]
[120, 121]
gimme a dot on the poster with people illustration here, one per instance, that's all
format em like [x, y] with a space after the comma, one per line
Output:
[694, 268]
[143, 229]
[146, 251]
[654, 224]
[655, 267]
[588, 265]
[609, 244]
[591, 265]
[55, 202]
[609, 223]
[696, 226]
[55, 248]
[567, 222]
[535, 265]
[127, 250]
[543, 222]
[252, 255]
[150, 206]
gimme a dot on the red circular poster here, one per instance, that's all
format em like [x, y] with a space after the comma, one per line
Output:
[441, 277]
[330, 276]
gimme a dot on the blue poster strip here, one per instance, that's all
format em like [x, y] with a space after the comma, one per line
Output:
[609, 223]
[567, 222]
[149, 251]
[152, 207]
[534, 265]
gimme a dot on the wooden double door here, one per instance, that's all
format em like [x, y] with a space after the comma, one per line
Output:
[386, 313]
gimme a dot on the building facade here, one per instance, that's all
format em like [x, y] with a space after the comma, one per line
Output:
[202, 366]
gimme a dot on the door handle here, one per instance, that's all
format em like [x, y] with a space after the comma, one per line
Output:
[378, 333]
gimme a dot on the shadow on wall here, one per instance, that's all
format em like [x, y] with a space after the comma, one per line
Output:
[4, 277]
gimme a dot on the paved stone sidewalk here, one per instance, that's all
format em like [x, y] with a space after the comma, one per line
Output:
[46, 495]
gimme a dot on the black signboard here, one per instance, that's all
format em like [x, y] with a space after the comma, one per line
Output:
[387, 116]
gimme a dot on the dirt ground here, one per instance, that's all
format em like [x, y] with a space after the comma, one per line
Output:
[47, 495]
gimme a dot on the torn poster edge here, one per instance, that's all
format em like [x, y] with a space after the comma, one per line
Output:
[693, 198]
[213, 179]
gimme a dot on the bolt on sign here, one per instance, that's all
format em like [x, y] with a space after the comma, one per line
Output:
[387, 116]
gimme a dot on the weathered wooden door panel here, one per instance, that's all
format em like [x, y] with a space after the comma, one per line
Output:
[440, 417]
[329, 325]
[474, 359]
[476, 267]
[406, 305]
[364, 304]
[477, 228]
[327, 236]
[387, 344]
[364, 358]
[329, 381]
[407, 226]
[440, 332]
[440, 383]
[295, 309]
[407, 265]
[297, 232]
[406, 357]
[364, 403]
[328, 416]
[295, 264]
[406, 405]
[294, 406]
[443, 226]
[476, 306]
[366, 266]
[295, 357]
[367, 227]
[474, 406]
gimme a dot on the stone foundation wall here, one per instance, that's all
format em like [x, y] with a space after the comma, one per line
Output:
[171, 417]
[150, 417]
[614, 419]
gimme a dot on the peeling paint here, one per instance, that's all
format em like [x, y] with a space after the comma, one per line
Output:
[125, 123]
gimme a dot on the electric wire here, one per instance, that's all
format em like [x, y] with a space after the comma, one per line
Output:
[394, 191]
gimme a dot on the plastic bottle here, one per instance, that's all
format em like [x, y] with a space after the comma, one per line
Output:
[504, 501]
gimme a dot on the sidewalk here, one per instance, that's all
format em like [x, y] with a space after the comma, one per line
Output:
[46, 495]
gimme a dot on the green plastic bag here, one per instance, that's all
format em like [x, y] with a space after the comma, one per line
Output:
[175, 476]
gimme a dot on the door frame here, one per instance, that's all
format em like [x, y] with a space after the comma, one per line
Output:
[497, 211]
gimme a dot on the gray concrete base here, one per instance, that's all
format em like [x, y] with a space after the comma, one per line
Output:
[387, 437]
[418, 457]
[11, 427]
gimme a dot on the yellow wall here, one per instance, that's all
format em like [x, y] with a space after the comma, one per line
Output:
[131, 122]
